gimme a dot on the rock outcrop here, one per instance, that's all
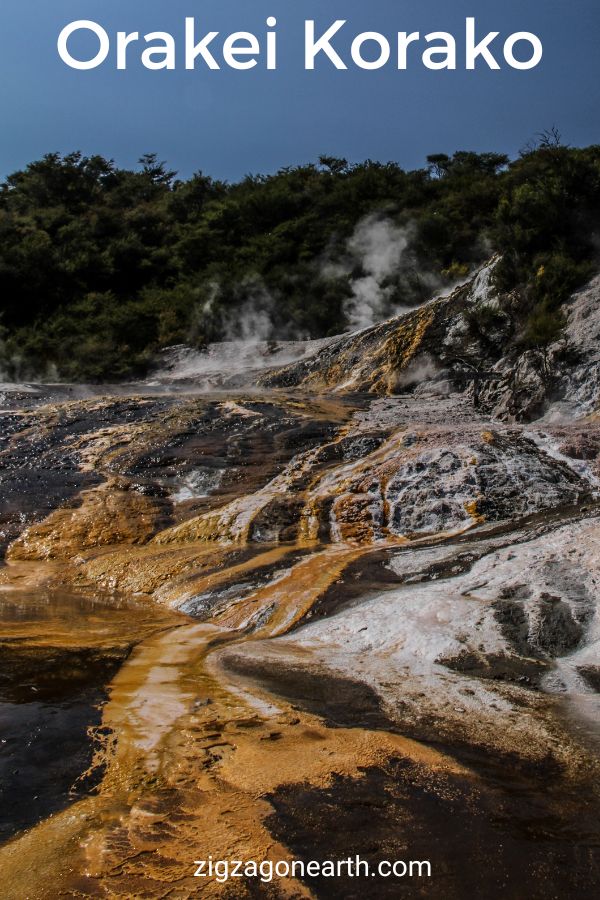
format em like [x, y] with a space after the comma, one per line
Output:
[466, 342]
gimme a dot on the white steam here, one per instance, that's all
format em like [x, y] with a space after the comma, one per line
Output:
[377, 263]
[378, 245]
[251, 321]
[380, 251]
[423, 375]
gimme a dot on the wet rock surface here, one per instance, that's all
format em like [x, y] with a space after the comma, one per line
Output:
[59, 651]
[45, 754]
[360, 587]
[504, 842]
[591, 675]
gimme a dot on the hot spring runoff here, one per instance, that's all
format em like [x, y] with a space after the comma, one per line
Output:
[87, 45]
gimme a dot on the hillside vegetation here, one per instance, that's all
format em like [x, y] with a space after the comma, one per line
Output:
[100, 266]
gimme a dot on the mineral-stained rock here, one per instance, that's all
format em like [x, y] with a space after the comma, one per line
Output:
[591, 675]
[554, 630]
[497, 667]
[108, 515]
[383, 589]
[491, 369]
[513, 622]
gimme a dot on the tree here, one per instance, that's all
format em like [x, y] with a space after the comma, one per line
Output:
[156, 171]
[334, 165]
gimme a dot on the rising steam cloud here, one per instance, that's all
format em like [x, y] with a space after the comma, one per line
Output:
[251, 321]
[378, 265]
[379, 246]
[381, 252]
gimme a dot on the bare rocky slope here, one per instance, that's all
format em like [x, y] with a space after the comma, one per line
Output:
[374, 564]
[463, 343]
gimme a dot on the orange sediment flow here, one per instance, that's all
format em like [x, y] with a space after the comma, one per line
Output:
[174, 573]
[192, 750]
[30, 588]
[287, 599]
[108, 515]
[196, 749]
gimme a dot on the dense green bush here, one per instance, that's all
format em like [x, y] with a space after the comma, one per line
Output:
[101, 266]
[547, 227]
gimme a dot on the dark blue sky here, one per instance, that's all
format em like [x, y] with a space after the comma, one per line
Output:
[230, 123]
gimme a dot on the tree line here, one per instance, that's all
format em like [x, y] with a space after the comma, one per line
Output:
[101, 266]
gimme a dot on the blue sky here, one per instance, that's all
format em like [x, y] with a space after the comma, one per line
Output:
[230, 123]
